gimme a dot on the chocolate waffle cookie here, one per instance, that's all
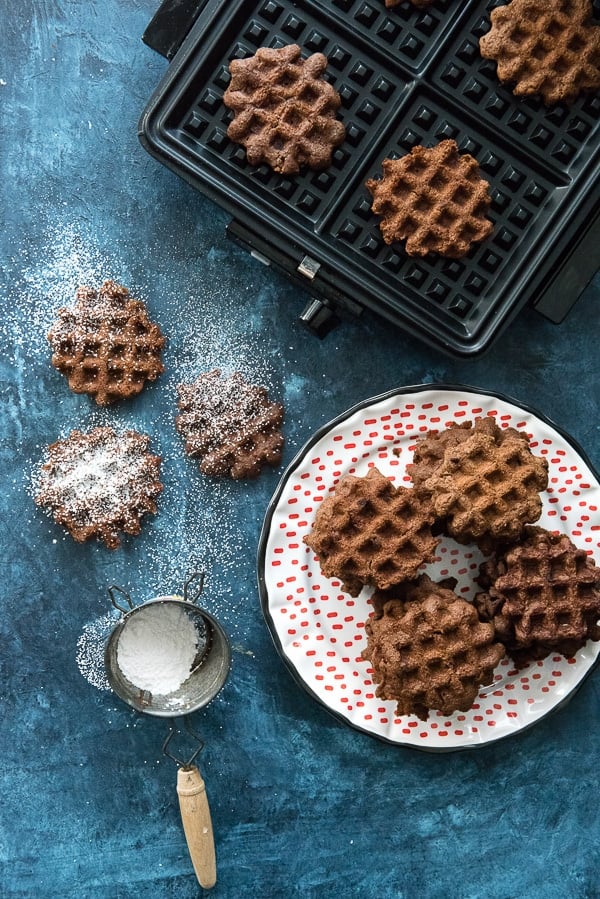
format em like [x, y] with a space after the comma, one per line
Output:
[284, 110]
[231, 426]
[545, 47]
[99, 483]
[428, 649]
[434, 198]
[106, 345]
[542, 596]
[370, 532]
[430, 449]
[483, 480]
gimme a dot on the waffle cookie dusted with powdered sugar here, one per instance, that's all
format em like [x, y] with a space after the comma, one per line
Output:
[370, 532]
[545, 47]
[100, 484]
[106, 345]
[433, 198]
[542, 596]
[284, 110]
[229, 425]
[483, 480]
[428, 649]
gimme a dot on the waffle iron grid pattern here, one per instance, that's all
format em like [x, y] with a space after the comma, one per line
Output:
[405, 76]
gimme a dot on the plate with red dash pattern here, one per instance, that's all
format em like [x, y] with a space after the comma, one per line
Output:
[319, 629]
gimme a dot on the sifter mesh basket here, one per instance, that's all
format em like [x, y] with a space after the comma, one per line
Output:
[207, 675]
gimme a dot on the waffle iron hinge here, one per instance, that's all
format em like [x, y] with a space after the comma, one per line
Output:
[327, 305]
[170, 25]
[573, 273]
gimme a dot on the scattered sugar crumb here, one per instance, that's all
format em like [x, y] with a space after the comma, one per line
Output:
[89, 653]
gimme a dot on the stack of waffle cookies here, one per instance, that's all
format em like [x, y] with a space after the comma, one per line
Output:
[428, 647]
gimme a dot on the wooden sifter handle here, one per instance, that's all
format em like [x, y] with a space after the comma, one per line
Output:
[197, 825]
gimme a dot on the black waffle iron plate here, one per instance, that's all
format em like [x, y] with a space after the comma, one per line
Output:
[405, 77]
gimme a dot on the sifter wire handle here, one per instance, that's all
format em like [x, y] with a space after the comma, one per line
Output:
[197, 824]
[198, 587]
[114, 588]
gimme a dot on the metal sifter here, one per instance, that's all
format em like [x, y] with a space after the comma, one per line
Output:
[207, 675]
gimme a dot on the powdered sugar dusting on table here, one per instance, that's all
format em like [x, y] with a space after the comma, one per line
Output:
[210, 331]
[201, 523]
[89, 654]
[47, 282]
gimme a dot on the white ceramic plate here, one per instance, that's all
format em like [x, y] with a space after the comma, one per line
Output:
[319, 630]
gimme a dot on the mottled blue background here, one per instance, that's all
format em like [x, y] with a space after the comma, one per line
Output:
[302, 805]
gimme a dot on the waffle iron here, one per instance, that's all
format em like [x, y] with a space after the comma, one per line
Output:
[406, 77]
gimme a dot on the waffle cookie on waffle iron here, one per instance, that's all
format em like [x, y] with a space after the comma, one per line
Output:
[545, 47]
[285, 112]
[370, 532]
[483, 481]
[428, 649]
[434, 198]
[106, 345]
[231, 426]
[100, 483]
[542, 595]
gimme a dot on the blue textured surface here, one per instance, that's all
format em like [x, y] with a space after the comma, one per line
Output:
[302, 805]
